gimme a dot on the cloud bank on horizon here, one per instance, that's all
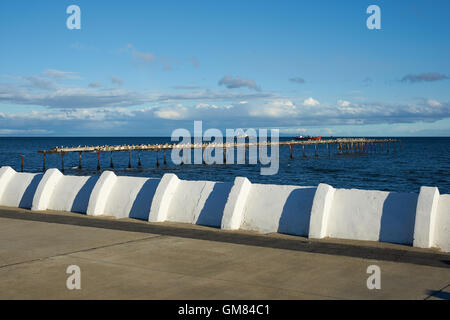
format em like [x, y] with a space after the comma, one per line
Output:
[149, 75]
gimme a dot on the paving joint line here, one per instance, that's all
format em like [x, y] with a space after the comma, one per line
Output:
[80, 251]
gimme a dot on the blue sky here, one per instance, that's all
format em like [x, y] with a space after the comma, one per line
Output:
[145, 68]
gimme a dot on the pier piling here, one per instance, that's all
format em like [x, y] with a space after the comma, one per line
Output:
[98, 161]
[157, 159]
[79, 160]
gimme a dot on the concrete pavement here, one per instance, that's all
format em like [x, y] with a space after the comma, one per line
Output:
[130, 259]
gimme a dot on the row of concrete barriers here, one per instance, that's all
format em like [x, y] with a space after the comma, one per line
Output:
[421, 220]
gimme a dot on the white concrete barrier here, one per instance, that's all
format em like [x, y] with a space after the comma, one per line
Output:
[163, 198]
[72, 193]
[372, 215]
[236, 201]
[6, 174]
[442, 225]
[45, 189]
[422, 220]
[426, 212]
[199, 202]
[100, 194]
[17, 189]
[278, 208]
[122, 197]
[130, 197]
[320, 211]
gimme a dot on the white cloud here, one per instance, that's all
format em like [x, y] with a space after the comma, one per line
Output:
[57, 74]
[310, 102]
[95, 108]
[161, 119]
[117, 80]
[343, 103]
[140, 56]
[212, 106]
[95, 84]
[144, 56]
[39, 82]
[274, 109]
[434, 103]
[170, 114]
[23, 131]
[293, 131]
[184, 87]
[94, 97]
[66, 98]
[209, 95]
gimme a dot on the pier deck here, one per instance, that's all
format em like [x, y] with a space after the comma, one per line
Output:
[156, 147]
[339, 145]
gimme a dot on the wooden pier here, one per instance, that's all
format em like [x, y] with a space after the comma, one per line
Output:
[339, 146]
